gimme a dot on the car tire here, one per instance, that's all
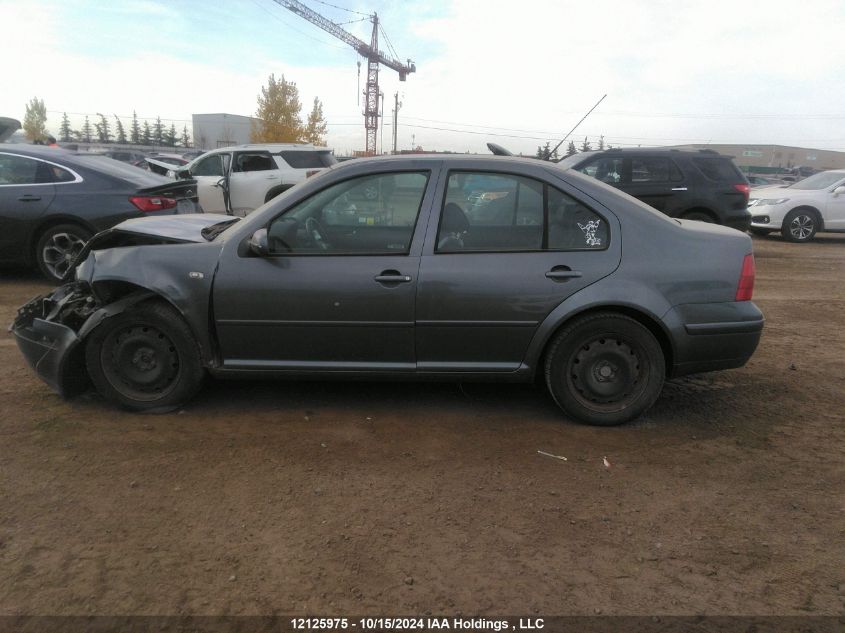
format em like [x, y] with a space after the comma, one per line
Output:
[700, 216]
[760, 232]
[145, 359]
[56, 248]
[800, 225]
[605, 369]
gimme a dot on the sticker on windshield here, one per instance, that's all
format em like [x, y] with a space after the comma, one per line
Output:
[590, 232]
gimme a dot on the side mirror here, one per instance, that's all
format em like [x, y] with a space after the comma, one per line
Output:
[258, 243]
[839, 190]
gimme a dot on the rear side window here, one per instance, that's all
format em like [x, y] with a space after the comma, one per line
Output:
[718, 169]
[254, 162]
[308, 160]
[18, 170]
[486, 212]
[654, 169]
[608, 169]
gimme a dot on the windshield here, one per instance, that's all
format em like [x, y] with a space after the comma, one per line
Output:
[820, 181]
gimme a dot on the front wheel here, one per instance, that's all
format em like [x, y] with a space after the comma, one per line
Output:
[145, 359]
[800, 225]
[605, 369]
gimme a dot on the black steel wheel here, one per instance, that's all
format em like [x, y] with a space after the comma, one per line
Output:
[145, 359]
[800, 225]
[605, 369]
[57, 248]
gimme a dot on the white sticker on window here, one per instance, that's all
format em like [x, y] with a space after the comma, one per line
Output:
[590, 232]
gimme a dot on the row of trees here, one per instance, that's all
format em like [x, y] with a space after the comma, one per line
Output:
[280, 119]
[101, 131]
[546, 152]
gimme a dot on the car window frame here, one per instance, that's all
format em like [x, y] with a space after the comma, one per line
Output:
[76, 177]
[269, 155]
[438, 212]
[431, 174]
[221, 156]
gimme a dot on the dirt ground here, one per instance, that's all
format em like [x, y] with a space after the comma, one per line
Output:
[728, 497]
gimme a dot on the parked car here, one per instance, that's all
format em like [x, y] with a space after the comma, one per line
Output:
[802, 209]
[8, 127]
[695, 185]
[584, 286]
[163, 164]
[132, 157]
[52, 201]
[250, 175]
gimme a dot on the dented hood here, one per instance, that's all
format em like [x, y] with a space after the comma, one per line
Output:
[165, 229]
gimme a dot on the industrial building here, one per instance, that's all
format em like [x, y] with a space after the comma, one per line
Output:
[221, 130]
[772, 158]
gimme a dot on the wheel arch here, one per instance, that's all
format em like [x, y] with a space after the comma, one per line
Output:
[48, 222]
[275, 191]
[650, 321]
[700, 209]
[808, 207]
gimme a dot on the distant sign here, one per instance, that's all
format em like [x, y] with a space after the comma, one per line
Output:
[752, 152]
[811, 157]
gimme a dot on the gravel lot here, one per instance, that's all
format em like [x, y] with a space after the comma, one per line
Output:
[728, 497]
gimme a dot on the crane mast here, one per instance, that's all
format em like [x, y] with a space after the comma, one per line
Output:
[369, 51]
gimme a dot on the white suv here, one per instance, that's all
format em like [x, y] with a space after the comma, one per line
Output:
[802, 209]
[252, 174]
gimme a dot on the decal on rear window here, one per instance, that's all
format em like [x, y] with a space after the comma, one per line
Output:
[590, 232]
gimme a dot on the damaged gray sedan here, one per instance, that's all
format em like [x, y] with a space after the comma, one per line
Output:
[436, 267]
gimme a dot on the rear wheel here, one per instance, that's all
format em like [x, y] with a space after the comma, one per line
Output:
[800, 225]
[605, 369]
[145, 359]
[58, 247]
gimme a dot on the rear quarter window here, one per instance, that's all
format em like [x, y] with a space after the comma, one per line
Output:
[718, 169]
[308, 160]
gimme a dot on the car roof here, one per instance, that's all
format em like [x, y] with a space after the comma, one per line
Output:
[272, 147]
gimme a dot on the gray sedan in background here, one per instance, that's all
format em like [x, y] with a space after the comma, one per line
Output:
[459, 268]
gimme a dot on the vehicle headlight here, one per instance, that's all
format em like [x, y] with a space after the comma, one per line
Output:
[771, 202]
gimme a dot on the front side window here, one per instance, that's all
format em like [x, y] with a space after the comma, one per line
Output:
[368, 215]
[498, 213]
[18, 170]
[210, 166]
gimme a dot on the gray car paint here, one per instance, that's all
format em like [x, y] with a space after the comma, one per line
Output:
[666, 273]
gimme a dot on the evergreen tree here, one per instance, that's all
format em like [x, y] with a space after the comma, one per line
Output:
[146, 134]
[170, 136]
[186, 140]
[35, 120]
[64, 129]
[278, 113]
[315, 129]
[103, 130]
[585, 146]
[545, 152]
[158, 132]
[86, 131]
[571, 150]
[121, 133]
[134, 130]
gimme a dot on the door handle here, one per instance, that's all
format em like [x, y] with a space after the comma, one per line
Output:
[563, 272]
[29, 198]
[679, 188]
[392, 277]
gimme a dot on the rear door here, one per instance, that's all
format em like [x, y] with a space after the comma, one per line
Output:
[26, 191]
[504, 249]
[657, 181]
[253, 174]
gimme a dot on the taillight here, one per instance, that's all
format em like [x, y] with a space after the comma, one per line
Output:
[745, 288]
[743, 189]
[152, 203]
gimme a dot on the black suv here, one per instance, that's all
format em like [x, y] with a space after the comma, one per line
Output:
[694, 185]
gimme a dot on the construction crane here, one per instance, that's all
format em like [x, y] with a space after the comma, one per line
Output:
[369, 51]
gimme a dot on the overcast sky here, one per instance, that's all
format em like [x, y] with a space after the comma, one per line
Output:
[518, 73]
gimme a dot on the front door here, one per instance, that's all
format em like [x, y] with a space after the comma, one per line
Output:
[253, 175]
[508, 249]
[337, 290]
[834, 212]
[210, 173]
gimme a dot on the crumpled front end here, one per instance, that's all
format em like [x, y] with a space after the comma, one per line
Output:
[47, 331]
